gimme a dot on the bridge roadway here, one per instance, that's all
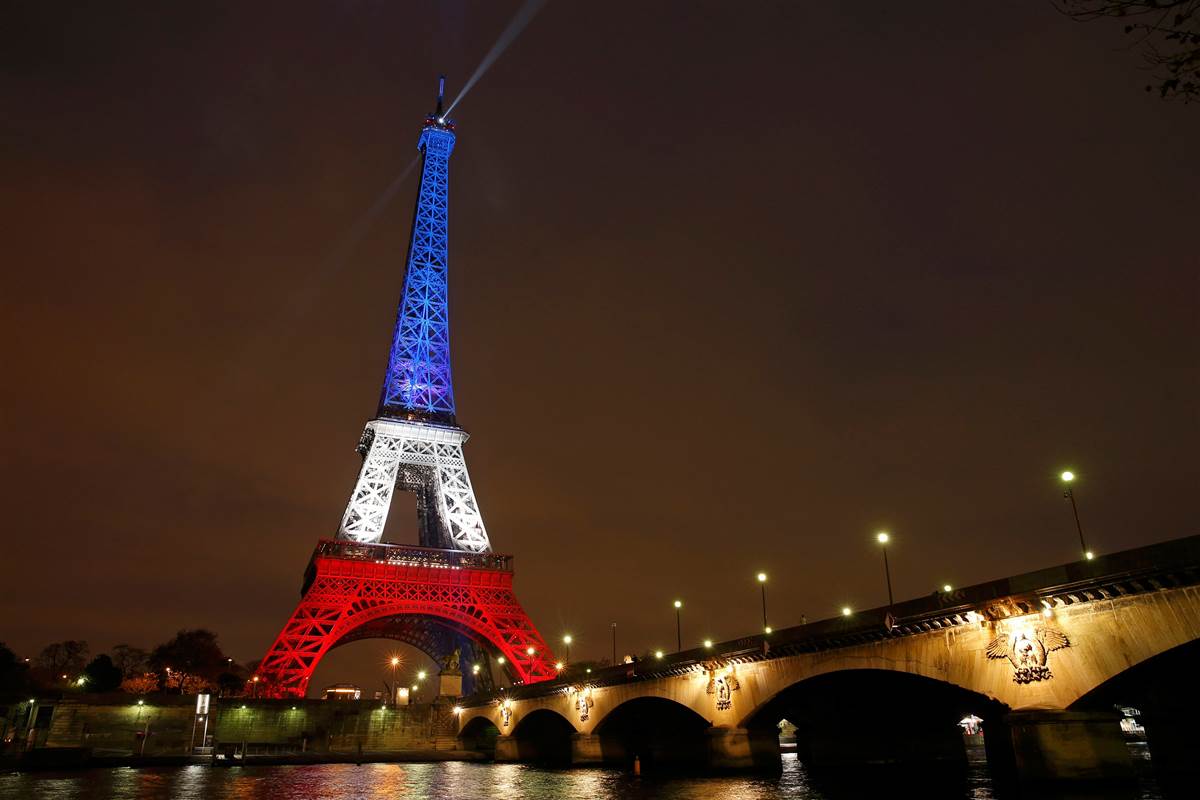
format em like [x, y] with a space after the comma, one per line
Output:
[1044, 658]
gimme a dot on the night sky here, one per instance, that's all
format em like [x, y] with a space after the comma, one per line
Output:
[733, 286]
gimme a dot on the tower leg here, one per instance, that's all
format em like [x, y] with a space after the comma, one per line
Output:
[306, 637]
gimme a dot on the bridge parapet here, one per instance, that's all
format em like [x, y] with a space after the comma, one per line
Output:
[1034, 654]
[1172, 564]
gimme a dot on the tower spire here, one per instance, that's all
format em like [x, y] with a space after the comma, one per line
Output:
[418, 385]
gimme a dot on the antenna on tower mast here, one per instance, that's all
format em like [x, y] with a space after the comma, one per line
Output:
[441, 94]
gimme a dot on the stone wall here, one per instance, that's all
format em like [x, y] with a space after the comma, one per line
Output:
[116, 725]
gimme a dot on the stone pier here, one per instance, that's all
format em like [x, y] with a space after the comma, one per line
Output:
[586, 748]
[1057, 747]
[740, 749]
[507, 749]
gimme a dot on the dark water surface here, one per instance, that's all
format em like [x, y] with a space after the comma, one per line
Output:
[458, 781]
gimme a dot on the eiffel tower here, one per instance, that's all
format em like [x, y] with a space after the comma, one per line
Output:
[450, 593]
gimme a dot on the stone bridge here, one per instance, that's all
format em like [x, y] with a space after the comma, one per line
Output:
[1043, 658]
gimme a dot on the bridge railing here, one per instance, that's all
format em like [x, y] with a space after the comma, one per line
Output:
[1145, 569]
[413, 556]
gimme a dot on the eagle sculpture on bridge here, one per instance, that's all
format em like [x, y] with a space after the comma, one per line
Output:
[1028, 652]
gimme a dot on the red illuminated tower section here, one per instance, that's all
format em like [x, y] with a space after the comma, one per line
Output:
[452, 593]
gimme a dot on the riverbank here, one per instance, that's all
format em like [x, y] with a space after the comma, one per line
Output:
[67, 758]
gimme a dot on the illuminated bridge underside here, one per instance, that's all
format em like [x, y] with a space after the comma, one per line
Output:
[354, 588]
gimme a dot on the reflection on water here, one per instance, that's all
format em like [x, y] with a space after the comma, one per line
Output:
[462, 781]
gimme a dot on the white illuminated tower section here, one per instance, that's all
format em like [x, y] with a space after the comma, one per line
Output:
[414, 443]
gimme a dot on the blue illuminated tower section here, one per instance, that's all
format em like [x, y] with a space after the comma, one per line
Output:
[418, 383]
[414, 443]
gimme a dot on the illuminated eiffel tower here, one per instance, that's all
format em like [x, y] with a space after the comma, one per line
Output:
[450, 593]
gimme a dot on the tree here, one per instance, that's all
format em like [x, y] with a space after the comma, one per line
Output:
[14, 674]
[62, 658]
[102, 675]
[145, 683]
[190, 660]
[1166, 31]
[230, 684]
[130, 660]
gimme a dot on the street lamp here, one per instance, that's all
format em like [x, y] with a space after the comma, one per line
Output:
[762, 584]
[678, 627]
[883, 538]
[567, 639]
[395, 662]
[1068, 478]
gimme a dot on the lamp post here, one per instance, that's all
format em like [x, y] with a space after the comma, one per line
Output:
[883, 538]
[395, 662]
[1068, 478]
[567, 639]
[762, 584]
[678, 627]
[614, 644]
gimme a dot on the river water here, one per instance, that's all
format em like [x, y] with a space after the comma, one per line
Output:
[460, 781]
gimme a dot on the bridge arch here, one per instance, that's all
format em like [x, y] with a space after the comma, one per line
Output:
[1161, 680]
[1158, 693]
[479, 734]
[1141, 635]
[874, 716]
[661, 732]
[544, 736]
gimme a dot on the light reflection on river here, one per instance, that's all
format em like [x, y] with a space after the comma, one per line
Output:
[461, 781]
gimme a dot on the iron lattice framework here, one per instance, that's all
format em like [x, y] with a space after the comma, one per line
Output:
[418, 382]
[357, 587]
[352, 586]
[421, 458]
